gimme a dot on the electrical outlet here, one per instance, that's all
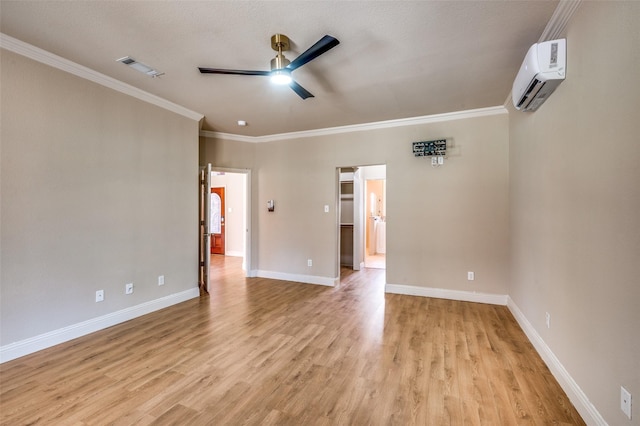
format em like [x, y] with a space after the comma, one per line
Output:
[547, 318]
[309, 262]
[161, 280]
[471, 276]
[326, 208]
[99, 295]
[434, 161]
[625, 402]
[128, 288]
[440, 160]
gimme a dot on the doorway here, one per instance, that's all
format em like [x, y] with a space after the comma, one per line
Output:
[235, 214]
[362, 217]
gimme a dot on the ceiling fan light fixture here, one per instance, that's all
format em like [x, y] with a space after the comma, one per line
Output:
[281, 76]
[281, 67]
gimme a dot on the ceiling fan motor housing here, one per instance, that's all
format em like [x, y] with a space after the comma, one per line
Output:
[279, 62]
[279, 43]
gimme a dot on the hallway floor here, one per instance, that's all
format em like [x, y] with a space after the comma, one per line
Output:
[377, 261]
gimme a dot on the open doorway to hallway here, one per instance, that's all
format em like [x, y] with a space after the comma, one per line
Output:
[230, 223]
[362, 217]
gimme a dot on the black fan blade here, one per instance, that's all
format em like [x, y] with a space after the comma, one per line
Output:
[323, 45]
[234, 72]
[301, 91]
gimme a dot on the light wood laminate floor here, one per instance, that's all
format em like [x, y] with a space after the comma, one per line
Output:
[259, 351]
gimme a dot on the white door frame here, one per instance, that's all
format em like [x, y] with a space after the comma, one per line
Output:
[206, 199]
[358, 220]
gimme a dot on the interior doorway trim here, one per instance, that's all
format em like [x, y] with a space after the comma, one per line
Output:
[248, 248]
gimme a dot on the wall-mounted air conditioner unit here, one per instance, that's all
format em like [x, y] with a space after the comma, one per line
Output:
[541, 72]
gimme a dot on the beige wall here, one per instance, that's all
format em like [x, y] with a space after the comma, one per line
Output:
[575, 208]
[98, 189]
[441, 222]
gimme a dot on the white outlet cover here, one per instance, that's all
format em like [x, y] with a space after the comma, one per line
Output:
[471, 276]
[547, 318]
[625, 402]
[161, 280]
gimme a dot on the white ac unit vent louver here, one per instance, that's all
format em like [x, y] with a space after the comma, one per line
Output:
[542, 70]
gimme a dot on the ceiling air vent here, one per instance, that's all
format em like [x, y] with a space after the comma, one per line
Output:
[139, 66]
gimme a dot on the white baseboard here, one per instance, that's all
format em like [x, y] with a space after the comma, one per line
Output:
[440, 293]
[234, 253]
[578, 398]
[55, 337]
[307, 279]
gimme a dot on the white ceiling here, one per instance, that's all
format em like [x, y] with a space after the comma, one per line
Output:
[396, 59]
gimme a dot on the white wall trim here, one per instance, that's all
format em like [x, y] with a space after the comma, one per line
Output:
[55, 337]
[556, 26]
[32, 52]
[578, 398]
[412, 121]
[306, 279]
[234, 253]
[441, 293]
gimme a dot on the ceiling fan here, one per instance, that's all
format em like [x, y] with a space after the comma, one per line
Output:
[281, 67]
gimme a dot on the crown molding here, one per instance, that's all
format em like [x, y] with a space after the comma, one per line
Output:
[388, 124]
[35, 53]
[556, 26]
